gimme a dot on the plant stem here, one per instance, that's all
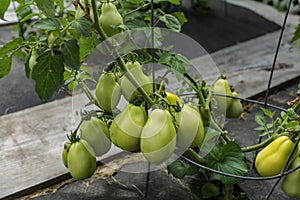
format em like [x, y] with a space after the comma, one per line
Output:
[120, 60]
[228, 191]
[88, 92]
[263, 143]
[137, 9]
[194, 156]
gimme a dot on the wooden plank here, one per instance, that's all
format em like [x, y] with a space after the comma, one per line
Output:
[31, 140]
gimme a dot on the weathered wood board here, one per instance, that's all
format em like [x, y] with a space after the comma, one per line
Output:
[31, 140]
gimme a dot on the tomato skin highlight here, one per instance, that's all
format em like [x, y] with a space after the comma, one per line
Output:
[96, 133]
[129, 91]
[108, 91]
[126, 128]
[191, 130]
[158, 138]
[81, 160]
[270, 160]
[110, 19]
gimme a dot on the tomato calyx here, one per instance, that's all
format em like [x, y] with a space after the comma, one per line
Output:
[73, 137]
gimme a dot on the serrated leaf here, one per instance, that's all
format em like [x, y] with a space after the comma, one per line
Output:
[48, 24]
[171, 22]
[283, 114]
[209, 190]
[269, 125]
[3, 8]
[260, 119]
[46, 6]
[178, 67]
[48, 74]
[181, 17]
[9, 46]
[227, 158]
[82, 26]
[70, 52]
[5, 65]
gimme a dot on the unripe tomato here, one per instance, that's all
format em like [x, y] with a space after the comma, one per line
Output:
[158, 138]
[191, 130]
[65, 153]
[129, 91]
[110, 19]
[222, 86]
[81, 160]
[126, 128]
[235, 109]
[291, 182]
[32, 60]
[108, 91]
[96, 133]
[173, 98]
[270, 160]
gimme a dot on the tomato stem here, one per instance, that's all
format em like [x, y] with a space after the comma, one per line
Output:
[194, 156]
[263, 143]
[120, 60]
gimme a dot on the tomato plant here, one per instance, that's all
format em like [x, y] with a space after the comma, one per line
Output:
[55, 40]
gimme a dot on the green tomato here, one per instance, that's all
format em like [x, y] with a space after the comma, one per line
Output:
[110, 19]
[191, 130]
[270, 160]
[235, 109]
[81, 160]
[129, 91]
[221, 86]
[96, 133]
[158, 138]
[65, 153]
[126, 128]
[108, 92]
[32, 60]
[291, 182]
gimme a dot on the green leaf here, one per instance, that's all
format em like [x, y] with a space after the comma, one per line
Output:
[87, 45]
[178, 67]
[268, 113]
[9, 46]
[31, 15]
[181, 17]
[46, 6]
[5, 65]
[3, 8]
[292, 115]
[183, 58]
[171, 22]
[227, 158]
[48, 74]
[82, 26]
[296, 33]
[260, 119]
[209, 190]
[175, 2]
[48, 24]
[70, 52]
[178, 169]
[260, 128]
[165, 58]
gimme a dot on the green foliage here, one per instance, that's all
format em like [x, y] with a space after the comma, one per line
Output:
[179, 170]
[3, 8]
[227, 158]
